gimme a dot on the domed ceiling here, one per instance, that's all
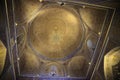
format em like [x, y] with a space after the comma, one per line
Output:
[56, 32]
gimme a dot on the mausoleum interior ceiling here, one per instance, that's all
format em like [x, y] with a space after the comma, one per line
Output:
[52, 38]
[57, 32]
